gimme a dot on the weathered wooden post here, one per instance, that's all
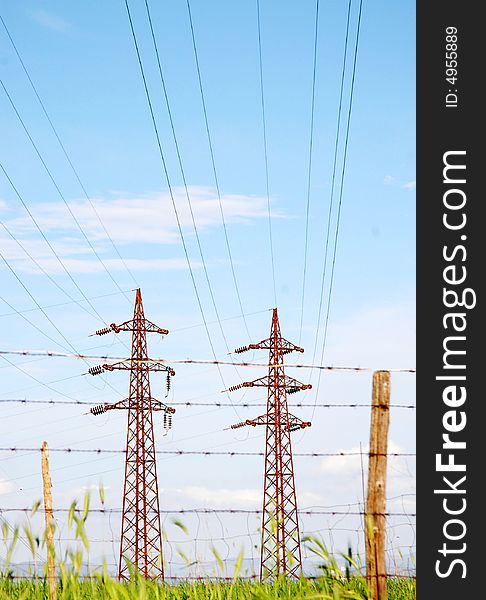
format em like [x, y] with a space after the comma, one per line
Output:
[375, 519]
[51, 564]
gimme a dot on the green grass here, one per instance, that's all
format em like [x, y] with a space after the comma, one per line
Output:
[329, 585]
[325, 588]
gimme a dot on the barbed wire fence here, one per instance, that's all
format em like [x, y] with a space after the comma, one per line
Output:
[204, 542]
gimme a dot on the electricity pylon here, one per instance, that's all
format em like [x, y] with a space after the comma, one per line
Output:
[141, 539]
[280, 542]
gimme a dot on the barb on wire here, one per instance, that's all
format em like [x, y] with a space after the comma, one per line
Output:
[216, 404]
[198, 452]
[209, 511]
[53, 354]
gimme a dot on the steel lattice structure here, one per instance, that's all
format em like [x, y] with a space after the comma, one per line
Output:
[280, 542]
[141, 540]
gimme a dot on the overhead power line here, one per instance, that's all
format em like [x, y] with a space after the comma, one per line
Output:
[51, 248]
[265, 150]
[65, 152]
[58, 304]
[56, 186]
[213, 163]
[169, 185]
[333, 179]
[341, 188]
[309, 168]
[184, 180]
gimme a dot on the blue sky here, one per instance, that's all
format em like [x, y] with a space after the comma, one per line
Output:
[82, 60]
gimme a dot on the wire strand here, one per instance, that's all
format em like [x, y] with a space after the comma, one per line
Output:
[309, 170]
[343, 171]
[63, 148]
[265, 151]
[166, 172]
[213, 163]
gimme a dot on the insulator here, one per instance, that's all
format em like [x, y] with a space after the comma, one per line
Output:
[96, 370]
[165, 420]
[241, 349]
[103, 331]
[233, 388]
[97, 410]
[293, 390]
[238, 425]
[169, 420]
[167, 385]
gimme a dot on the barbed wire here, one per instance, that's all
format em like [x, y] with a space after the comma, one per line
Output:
[49, 353]
[202, 578]
[209, 511]
[203, 452]
[216, 404]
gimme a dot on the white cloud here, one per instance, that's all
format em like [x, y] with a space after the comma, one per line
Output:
[350, 462]
[232, 498]
[390, 180]
[376, 337]
[410, 185]
[148, 219]
[48, 20]
[6, 487]
[400, 477]
[223, 496]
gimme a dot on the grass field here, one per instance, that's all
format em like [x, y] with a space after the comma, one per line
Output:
[329, 583]
[325, 588]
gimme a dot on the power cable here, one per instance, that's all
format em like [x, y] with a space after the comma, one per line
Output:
[61, 195]
[336, 237]
[176, 212]
[213, 163]
[34, 221]
[63, 148]
[309, 169]
[265, 151]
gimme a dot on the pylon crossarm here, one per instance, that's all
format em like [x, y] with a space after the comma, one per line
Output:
[284, 346]
[261, 420]
[127, 365]
[294, 423]
[147, 326]
[158, 405]
[292, 385]
[261, 382]
[102, 408]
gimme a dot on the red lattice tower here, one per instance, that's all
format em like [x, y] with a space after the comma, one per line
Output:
[141, 540]
[280, 543]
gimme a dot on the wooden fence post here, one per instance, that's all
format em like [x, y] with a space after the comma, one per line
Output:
[375, 519]
[51, 564]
